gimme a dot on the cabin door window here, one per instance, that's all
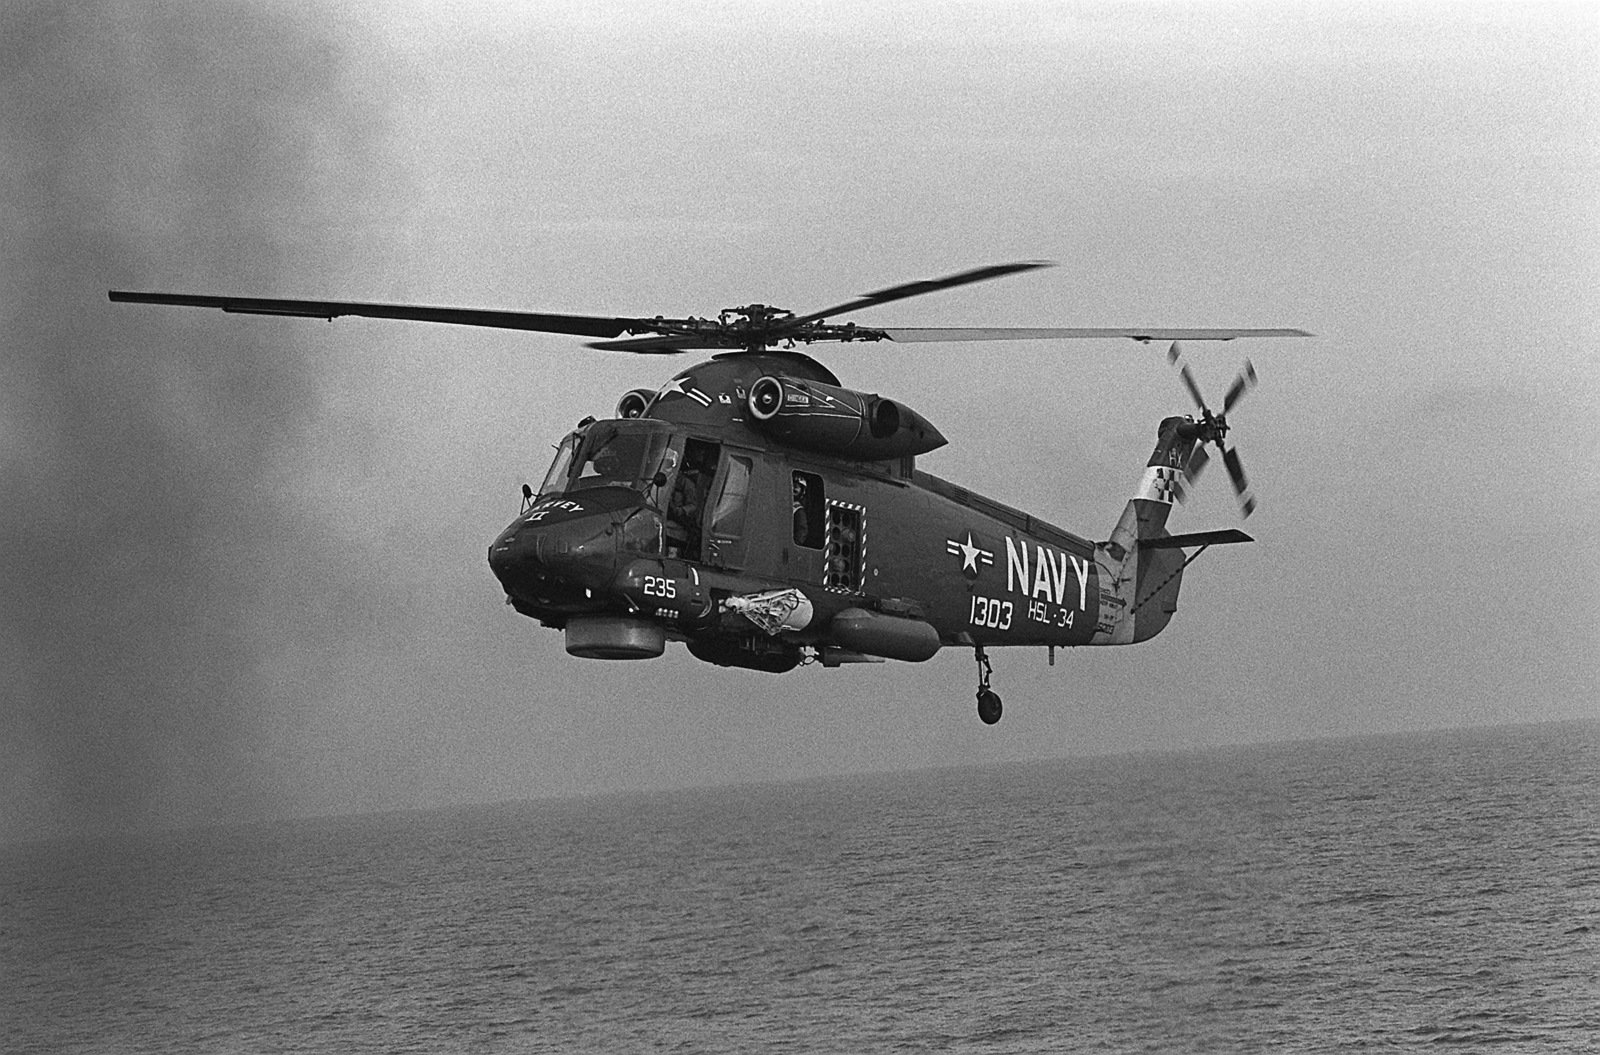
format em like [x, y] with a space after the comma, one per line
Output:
[727, 513]
[808, 510]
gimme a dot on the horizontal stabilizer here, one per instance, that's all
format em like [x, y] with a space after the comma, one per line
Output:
[1196, 538]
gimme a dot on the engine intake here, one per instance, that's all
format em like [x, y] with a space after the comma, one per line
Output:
[834, 420]
[633, 404]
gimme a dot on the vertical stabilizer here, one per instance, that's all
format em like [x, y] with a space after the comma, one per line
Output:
[1140, 590]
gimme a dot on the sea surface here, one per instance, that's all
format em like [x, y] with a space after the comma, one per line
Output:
[1388, 893]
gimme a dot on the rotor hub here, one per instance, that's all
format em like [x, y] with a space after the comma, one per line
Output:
[1213, 428]
[753, 316]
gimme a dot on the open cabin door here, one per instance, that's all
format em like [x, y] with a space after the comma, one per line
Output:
[689, 505]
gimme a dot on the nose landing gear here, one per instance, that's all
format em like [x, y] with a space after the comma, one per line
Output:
[988, 700]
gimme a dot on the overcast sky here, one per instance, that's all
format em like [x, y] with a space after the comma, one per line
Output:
[243, 560]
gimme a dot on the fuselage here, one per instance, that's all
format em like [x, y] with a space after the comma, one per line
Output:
[661, 519]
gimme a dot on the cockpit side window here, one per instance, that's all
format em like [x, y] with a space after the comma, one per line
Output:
[609, 459]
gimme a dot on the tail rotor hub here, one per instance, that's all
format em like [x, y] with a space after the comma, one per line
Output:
[1213, 428]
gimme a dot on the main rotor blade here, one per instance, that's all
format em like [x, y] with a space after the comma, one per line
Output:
[583, 325]
[673, 337]
[1241, 384]
[655, 345]
[914, 289]
[926, 334]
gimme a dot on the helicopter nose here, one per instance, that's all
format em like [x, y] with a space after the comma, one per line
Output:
[514, 553]
[530, 556]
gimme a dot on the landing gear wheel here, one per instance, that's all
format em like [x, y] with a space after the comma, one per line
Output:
[988, 706]
[988, 701]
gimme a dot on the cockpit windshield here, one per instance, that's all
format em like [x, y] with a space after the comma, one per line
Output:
[555, 481]
[607, 454]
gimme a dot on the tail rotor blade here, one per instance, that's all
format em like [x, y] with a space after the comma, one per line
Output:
[1230, 458]
[1241, 384]
[1174, 356]
[1197, 462]
[1194, 389]
[1211, 428]
[1184, 484]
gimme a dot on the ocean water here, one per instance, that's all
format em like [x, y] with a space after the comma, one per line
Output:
[1388, 893]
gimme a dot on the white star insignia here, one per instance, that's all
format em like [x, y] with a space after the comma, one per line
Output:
[675, 385]
[969, 554]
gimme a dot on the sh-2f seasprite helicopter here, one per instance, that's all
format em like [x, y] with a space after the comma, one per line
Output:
[760, 512]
